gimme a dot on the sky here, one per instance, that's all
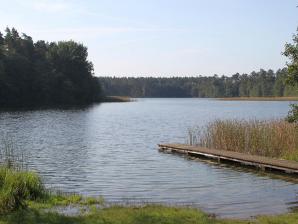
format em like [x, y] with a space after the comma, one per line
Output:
[163, 37]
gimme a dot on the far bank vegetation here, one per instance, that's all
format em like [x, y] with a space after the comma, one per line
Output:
[256, 84]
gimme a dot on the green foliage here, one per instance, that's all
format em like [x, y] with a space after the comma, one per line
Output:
[44, 73]
[257, 84]
[291, 51]
[150, 214]
[293, 114]
[52, 200]
[16, 187]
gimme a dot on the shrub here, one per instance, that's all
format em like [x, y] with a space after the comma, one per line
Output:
[293, 114]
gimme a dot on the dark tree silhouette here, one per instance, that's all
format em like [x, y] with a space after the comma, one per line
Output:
[262, 83]
[43, 73]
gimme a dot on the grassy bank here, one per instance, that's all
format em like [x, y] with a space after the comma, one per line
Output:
[35, 206]
[282, 98]
[147, 214]
[275, 138]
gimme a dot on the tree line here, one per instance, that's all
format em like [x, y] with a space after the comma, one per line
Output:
[58, 73]
[256, 84]
[43, 73]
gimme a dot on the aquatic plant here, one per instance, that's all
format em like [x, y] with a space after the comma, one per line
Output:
[10, 156]
[16, 183]
[273, 138]
[18, 186]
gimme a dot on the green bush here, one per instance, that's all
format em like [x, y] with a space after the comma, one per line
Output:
[293, 114]
[18, 186]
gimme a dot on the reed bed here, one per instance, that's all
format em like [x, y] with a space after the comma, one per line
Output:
[261, 98]
[273, 138]
[11, 157]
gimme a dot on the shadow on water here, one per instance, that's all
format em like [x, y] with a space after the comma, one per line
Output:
[229, 165]
[251, 170]
[76, 107]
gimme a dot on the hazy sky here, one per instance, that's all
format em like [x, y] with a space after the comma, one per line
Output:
[163, 37]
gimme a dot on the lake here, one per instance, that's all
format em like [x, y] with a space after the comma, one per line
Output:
[110, 149]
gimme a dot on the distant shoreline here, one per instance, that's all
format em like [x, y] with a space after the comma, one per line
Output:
[273, 98]
[110, 99]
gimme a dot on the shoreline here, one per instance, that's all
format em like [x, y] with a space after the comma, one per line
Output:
[79, 209]
[273, 98]
[34, 204]
[116, 99]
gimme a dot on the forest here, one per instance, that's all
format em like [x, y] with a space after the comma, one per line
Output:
[256, 84]
[58, 73]
[42, 73]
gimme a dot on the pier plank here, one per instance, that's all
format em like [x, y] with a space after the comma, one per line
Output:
[242, 158]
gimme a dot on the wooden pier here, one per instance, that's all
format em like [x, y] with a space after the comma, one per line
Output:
[260, 162]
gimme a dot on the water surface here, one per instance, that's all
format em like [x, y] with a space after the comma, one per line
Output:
[110, 149]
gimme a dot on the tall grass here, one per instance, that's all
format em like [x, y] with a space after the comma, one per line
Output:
[10, 157]
[274, 138]
[16, 183]
[18, 186]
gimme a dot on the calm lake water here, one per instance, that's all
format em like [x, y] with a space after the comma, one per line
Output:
[110, 149]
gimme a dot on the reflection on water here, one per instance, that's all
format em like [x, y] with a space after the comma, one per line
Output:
[111, 150]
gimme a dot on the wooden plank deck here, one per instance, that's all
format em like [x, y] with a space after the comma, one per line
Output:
[261, 162]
